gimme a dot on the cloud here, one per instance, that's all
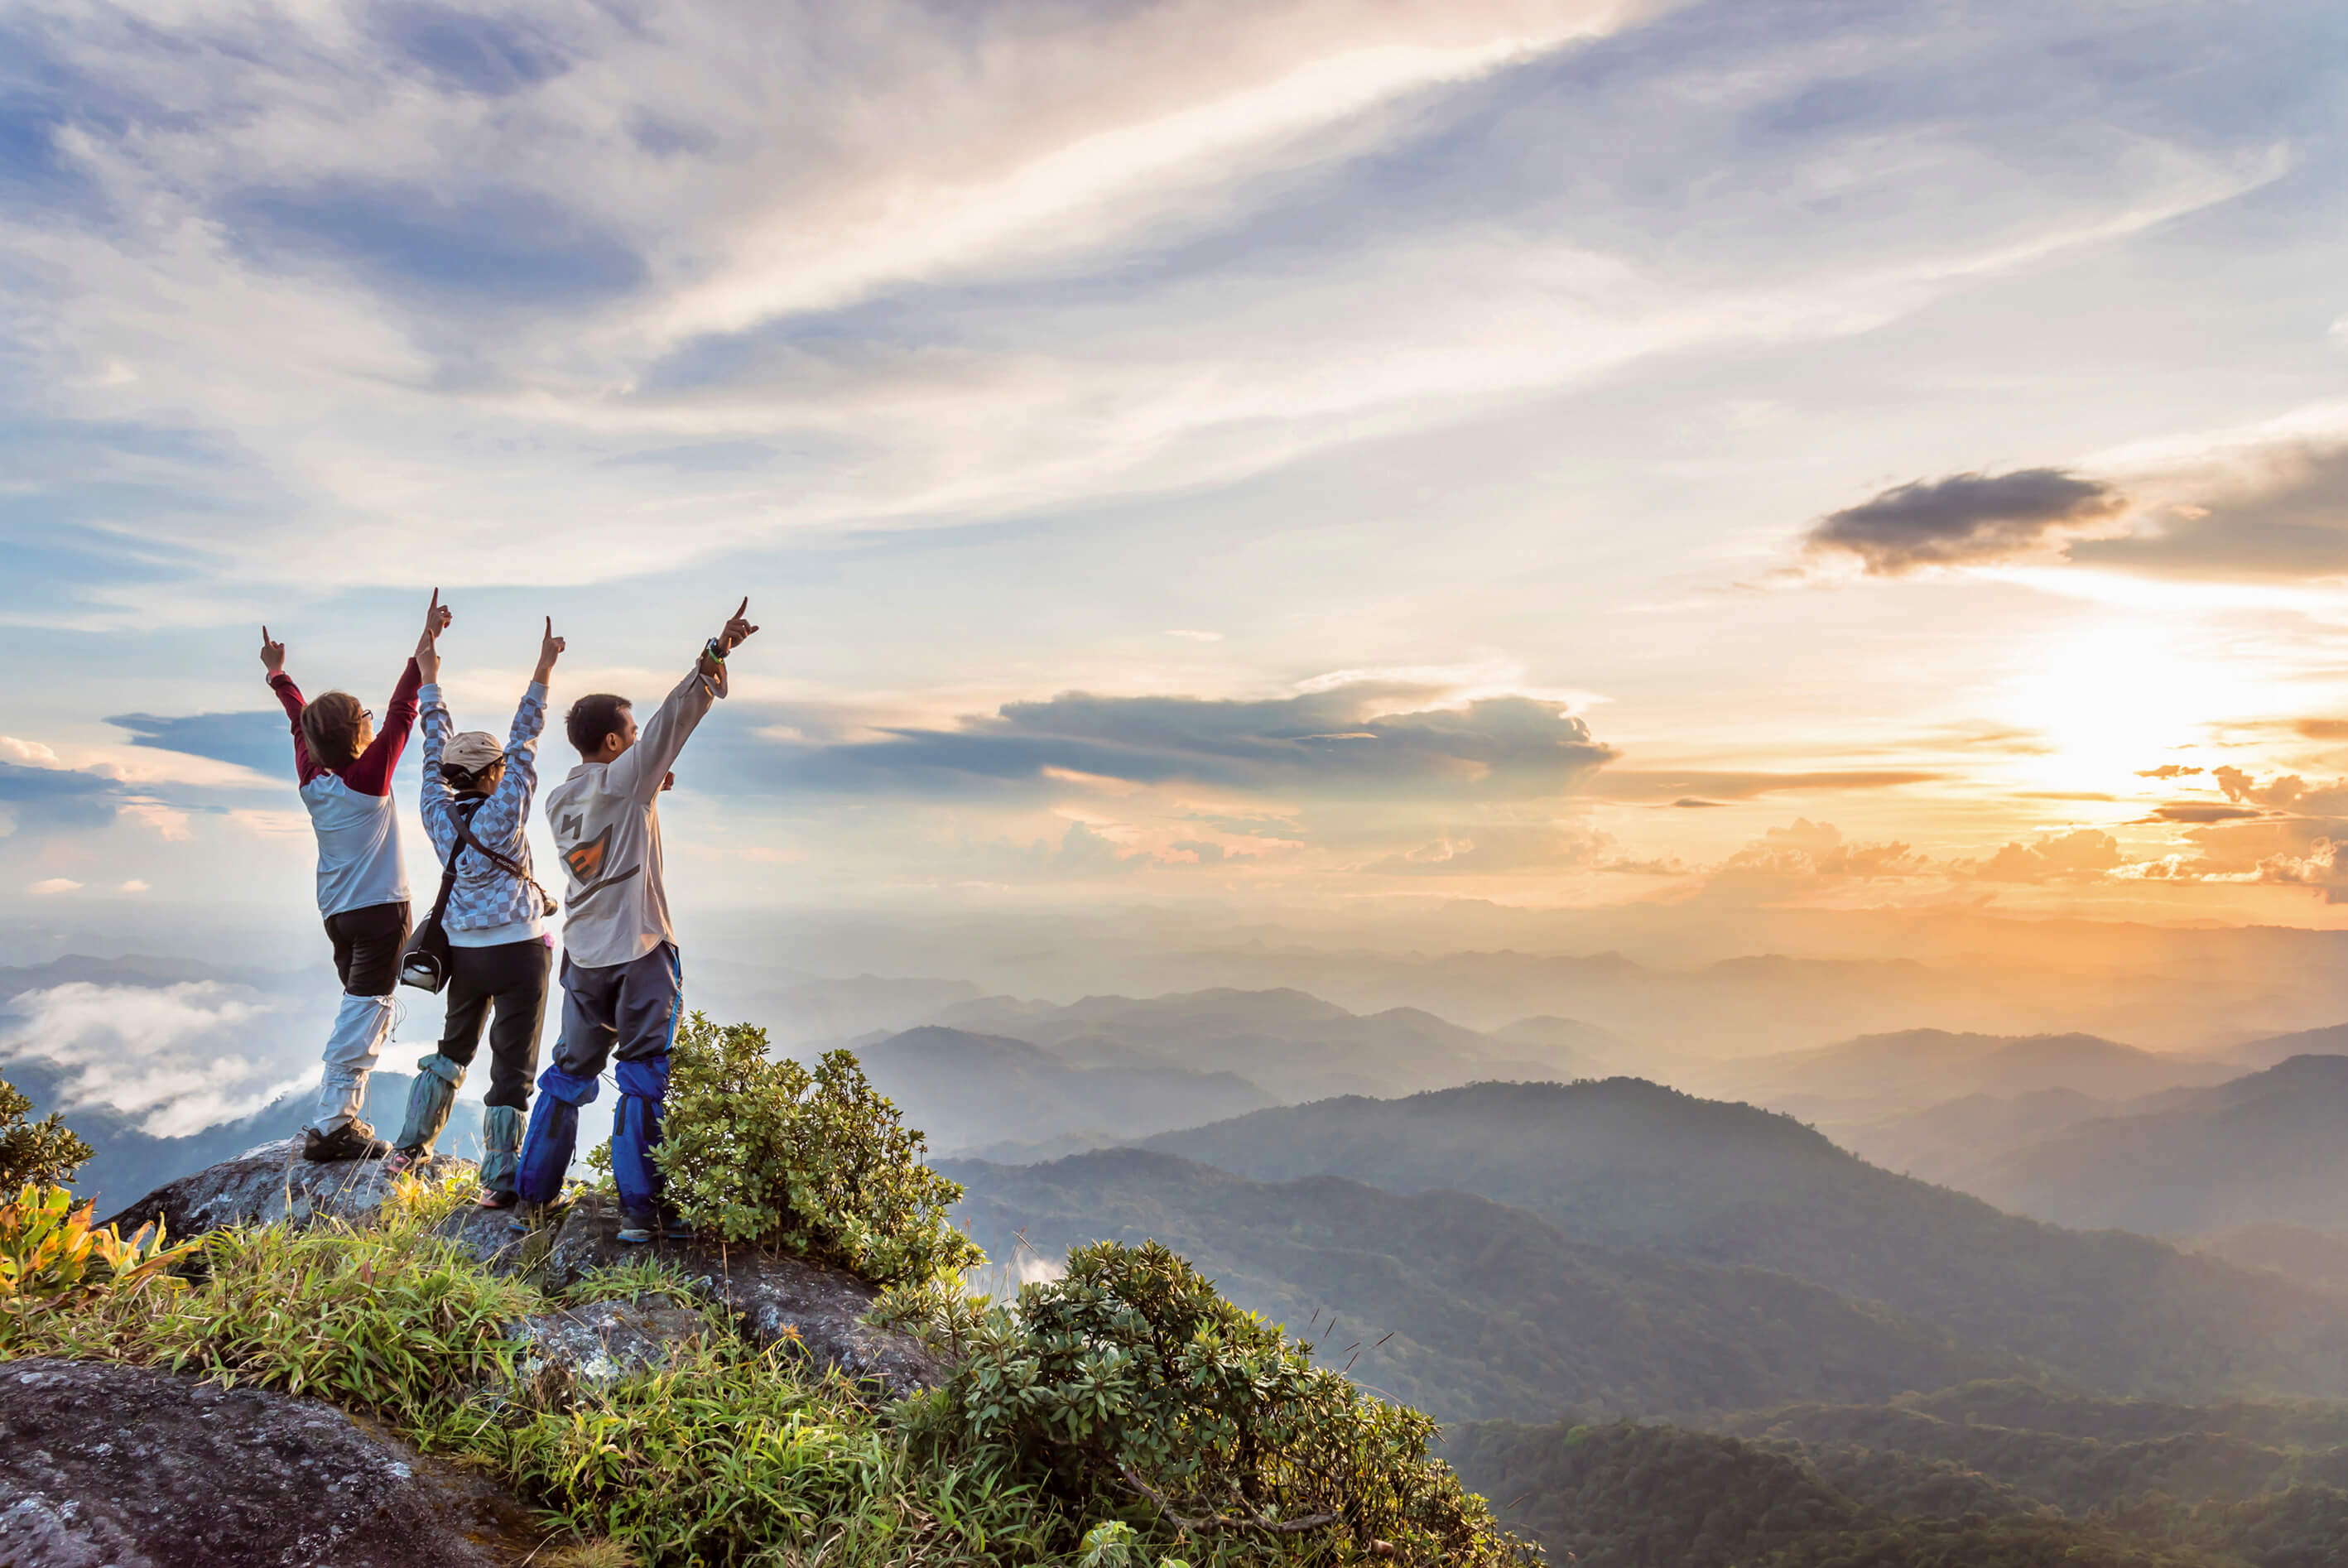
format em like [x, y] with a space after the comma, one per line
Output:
[2321, 728]
[174, 1059]
[1355, 740]
[52, 885]
[2199, 811]
[2081, 854]
[58, 798]
[1966, 520]
[1634, 785]
[1498, 849]
[2168, 771]
[1802, 859]
[134, 885]
[2275, 512]
[256, 740]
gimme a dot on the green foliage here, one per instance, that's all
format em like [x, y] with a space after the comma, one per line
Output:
[392, 1320]
[1130, 1383]
[731, 1456]
[52, 1257]
[815, 1162]
[44, 1151]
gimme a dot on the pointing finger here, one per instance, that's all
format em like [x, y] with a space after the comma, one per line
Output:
[745, 609]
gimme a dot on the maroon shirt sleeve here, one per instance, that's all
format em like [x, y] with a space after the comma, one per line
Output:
[289, 696]
[371, 774]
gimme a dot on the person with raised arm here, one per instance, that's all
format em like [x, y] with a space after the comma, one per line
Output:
[345, 766]
[622, 981]
[476, 798]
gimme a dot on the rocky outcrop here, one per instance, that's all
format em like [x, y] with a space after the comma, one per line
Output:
[773, 1297]
[128, 1467]
[273, 1182]
[603, 1341]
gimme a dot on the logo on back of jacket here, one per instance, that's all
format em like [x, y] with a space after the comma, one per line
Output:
[586, 860]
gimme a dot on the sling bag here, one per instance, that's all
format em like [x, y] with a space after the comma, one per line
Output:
[424, 963]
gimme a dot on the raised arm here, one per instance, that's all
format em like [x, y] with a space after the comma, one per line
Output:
[439, 823]
[641, 770]
[289, 697]
[371, 774]
[501, 819]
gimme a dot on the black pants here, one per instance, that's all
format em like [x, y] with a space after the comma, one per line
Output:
[513, 974]
[367, 944]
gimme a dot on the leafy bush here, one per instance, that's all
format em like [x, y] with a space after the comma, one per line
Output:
[394, 1320]
[731, 1456]
[1131, 1385]
[44, 1151]
[815, 1162]
[51, 1256]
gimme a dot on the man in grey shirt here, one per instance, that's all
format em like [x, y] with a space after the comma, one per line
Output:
[623, 986]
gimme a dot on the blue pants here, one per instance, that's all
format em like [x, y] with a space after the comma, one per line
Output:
[627, 1011]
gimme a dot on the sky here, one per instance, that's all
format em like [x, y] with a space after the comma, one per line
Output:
[1563, 454]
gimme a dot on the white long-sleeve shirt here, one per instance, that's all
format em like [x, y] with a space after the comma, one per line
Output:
[607, 830]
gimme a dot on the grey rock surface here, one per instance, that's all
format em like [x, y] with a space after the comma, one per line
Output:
[273, 1182]
[128, 1467]
[773, 1297]
[603, 1341]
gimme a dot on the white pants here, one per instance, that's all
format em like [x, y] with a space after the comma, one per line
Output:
[360, 1029]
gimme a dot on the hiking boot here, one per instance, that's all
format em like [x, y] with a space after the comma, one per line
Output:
[526, 1216]
[638, 1228]
[401, 1161]
[351, 1141]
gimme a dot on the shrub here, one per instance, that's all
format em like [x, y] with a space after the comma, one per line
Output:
[393, 1320]
[1130, 1383]
[44, 1151]
[734, 1456]
[52, 1257]
[814, 1162]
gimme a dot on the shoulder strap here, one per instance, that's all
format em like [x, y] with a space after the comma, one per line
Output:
[460, 819]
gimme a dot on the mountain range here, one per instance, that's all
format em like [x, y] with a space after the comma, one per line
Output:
[1624, 1163]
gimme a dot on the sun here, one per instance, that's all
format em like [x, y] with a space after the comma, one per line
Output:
[2116, 698]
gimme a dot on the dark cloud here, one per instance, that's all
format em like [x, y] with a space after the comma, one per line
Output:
[56, 798]
[1631, 785]
[2168, 770]
[1965, 518]
[2199, 812]
[2321, 729]
[2288, 522]
[256, 739]
[1690, 803]
[1349, 740]
[2080, 855]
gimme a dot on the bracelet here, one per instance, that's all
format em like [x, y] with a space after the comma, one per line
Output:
[714, 649]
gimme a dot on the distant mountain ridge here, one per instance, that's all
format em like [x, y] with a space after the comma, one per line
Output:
[1462, 1306]
[1289, 1044]
[1625, 1163]
[2268, 1147]
[963, 1089]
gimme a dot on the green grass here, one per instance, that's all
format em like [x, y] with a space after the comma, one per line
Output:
[728, 1457]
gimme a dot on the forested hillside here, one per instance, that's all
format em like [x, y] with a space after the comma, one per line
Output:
[1626, 1163]
[1468, 1307]
[1896, 1488]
